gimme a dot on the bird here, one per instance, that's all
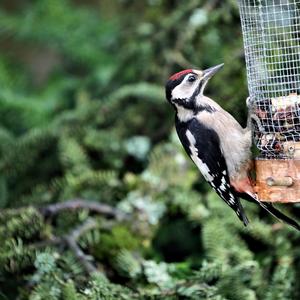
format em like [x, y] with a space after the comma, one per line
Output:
[214, 140]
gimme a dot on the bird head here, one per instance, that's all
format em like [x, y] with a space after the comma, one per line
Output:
[185, 86]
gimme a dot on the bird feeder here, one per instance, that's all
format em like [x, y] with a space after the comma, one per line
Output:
[271, 33]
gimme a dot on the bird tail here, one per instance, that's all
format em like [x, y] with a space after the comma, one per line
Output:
[273, 211]
[241, 213]
[279, 215]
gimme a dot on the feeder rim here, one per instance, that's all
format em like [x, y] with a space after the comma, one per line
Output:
[276, 159]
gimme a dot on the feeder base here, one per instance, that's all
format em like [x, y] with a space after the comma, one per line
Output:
[278, 180]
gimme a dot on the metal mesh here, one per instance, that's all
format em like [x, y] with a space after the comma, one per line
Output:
[271, 31]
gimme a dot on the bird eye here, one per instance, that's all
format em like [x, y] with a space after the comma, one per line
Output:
[192, 78]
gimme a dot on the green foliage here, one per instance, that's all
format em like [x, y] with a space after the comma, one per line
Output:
[282, 281]
[17, 227]
[119, 238]
[69, 291]
[83, 116]
[127, 265]
[100, 288]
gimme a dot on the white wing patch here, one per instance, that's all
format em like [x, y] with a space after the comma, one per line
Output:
[194, 155]
[231, 199]
[223, 186]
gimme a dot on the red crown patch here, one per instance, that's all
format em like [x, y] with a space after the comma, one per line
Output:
[179, 74]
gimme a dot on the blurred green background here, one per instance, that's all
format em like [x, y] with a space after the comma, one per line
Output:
[83, 116]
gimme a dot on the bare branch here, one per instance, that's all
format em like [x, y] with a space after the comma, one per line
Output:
[82, 229]
[71, 241]
[83, 259]
[93, 206]
[53, 241]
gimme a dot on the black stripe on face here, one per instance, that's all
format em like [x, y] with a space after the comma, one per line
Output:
[188, 104]
[185, 103]
[196, 93]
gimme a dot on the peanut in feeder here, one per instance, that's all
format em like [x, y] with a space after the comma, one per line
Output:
[271, 32]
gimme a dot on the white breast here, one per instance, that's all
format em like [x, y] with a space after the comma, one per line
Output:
[183, 114]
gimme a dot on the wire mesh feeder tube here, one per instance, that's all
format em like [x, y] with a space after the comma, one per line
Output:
[271, 32]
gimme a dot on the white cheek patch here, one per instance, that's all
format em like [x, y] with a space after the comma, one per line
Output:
[183, 91]
[194, 156]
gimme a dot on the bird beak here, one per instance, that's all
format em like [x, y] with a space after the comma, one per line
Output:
[206, 75]
[209, 73]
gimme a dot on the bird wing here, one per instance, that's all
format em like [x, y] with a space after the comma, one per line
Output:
[203, 146]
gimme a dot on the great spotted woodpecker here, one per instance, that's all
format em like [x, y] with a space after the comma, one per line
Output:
[215, 141]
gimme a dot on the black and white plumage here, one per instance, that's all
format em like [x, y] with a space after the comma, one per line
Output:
[215, 141]
[211, 163]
